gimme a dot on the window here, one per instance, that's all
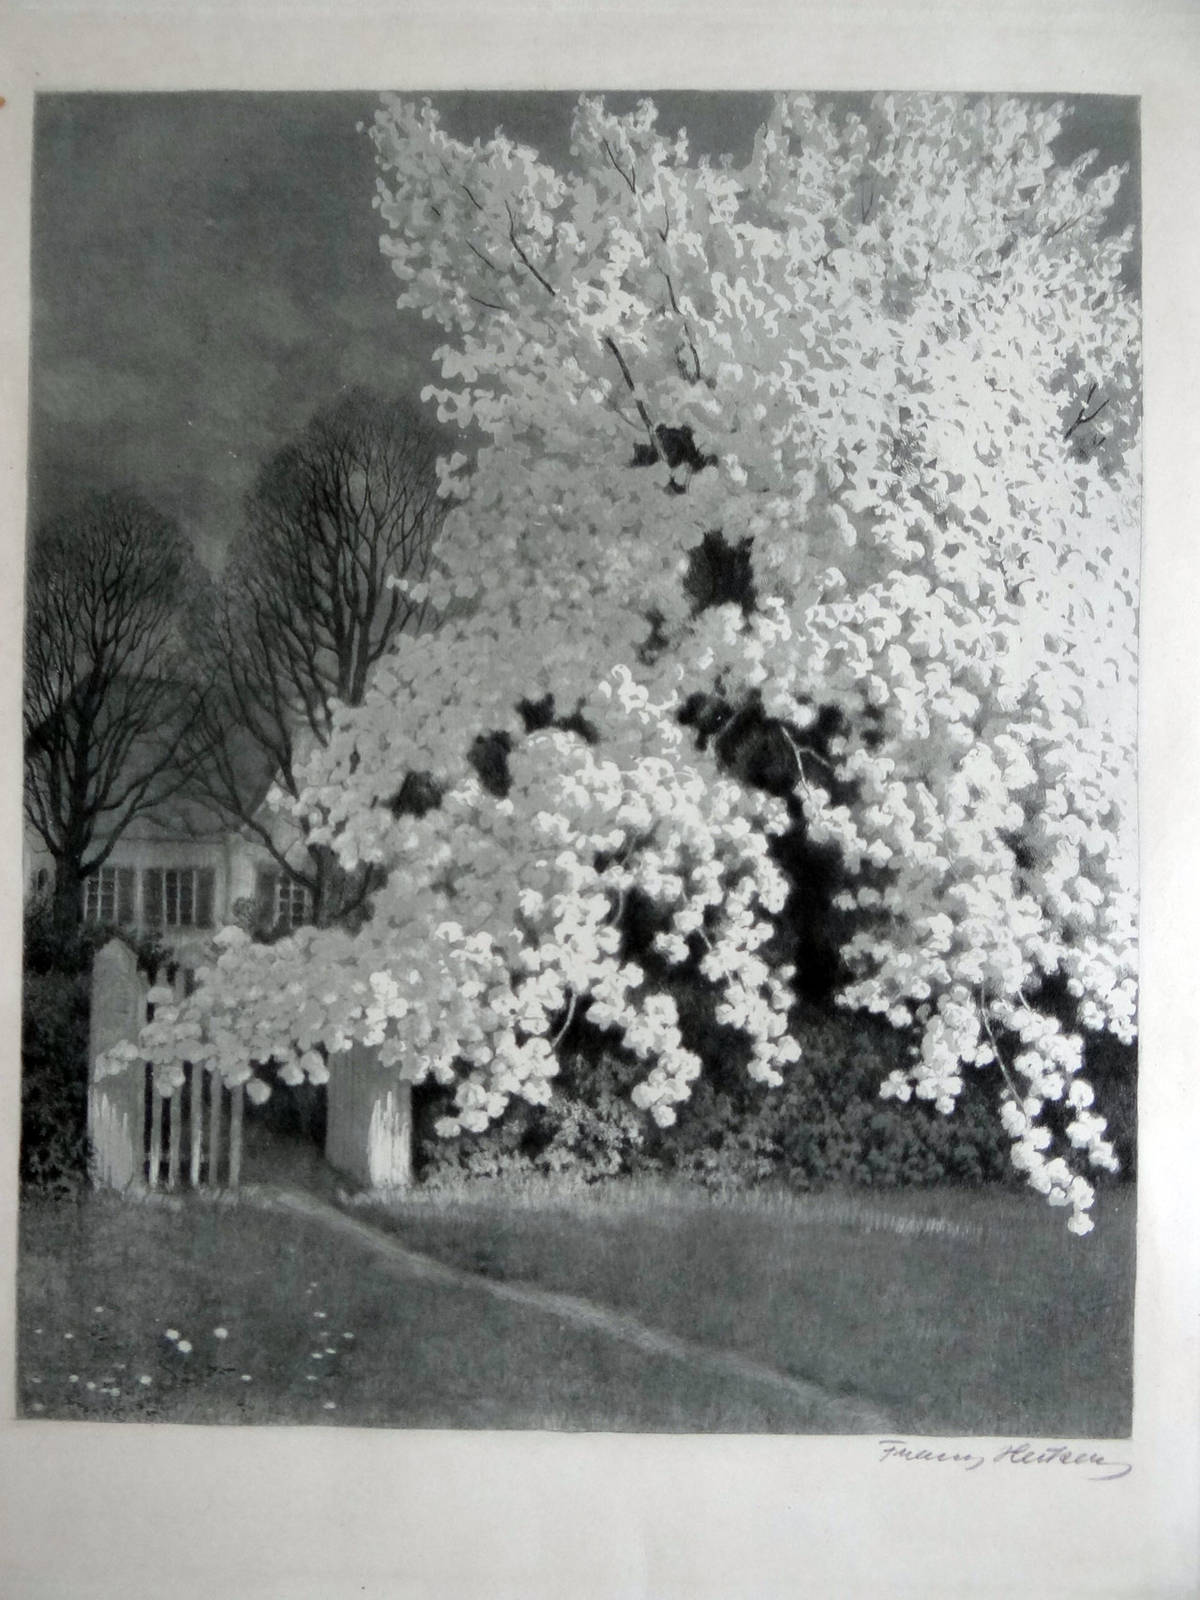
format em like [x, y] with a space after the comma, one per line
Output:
[108, 896]
[178, 897]
[282, 902]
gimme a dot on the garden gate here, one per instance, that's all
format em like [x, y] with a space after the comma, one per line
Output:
[139, 1136]
[136, 1143]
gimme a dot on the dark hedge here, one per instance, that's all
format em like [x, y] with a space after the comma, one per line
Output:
[55, 1002]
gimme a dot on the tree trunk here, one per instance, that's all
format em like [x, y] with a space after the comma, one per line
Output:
[339, 894]
[67, 903]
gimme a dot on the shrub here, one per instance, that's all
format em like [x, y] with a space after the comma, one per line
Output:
[56, 995]
[54, 1039]
[826, 1125]
[49, 946]
[589, 1129]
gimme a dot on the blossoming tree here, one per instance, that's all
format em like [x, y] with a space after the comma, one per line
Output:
[846, 438]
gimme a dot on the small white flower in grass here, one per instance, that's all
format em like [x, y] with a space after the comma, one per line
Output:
[91, 1385]
[317, 1355]
[331, 1405]
[220, 1333]
[73, 1378]
[318, 1314]
[146, 1379]
[68, 1335]
[330, 1350]
[35, 1380]
[184, 1347]
[312, 1377]
[172, 1334]
[347, 1336]
[37, 1406]
[246, 1378]
[37, 1330]
[99, 1310]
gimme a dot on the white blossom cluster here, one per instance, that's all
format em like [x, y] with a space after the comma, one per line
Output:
[903, 355]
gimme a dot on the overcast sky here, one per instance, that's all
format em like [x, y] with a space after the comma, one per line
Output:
[206, 273]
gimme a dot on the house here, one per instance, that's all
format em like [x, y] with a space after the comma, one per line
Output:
[178, 873]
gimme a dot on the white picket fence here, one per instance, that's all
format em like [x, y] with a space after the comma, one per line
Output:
[143, 1139]
[140, 1137]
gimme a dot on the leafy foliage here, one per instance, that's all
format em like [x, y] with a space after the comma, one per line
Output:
[826, 1126]
[823, 1126]
[791, 495]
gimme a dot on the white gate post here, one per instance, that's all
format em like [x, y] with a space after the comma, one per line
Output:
[116, 1104]
[368, 1133]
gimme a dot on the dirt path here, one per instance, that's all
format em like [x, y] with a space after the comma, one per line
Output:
[838, 1414]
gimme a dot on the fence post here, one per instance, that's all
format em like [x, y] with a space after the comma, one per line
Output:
[175, 1138]
[116, 1104]
[369, 1121]
[175, 1134]
[196, 1124]
[237, 1101]
[156, 1137]
[215, 1089]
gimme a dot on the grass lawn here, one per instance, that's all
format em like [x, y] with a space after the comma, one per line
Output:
[1001, 1322]
[120, 1303]
[956, 1312]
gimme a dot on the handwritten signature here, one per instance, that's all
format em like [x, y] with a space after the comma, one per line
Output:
[1016, 1455]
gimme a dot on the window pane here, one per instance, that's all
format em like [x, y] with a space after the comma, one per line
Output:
[125, 885]
[187, 907]
[205, 880]
[291, 902]
[152, 896]
[265, 896]
[171, 897]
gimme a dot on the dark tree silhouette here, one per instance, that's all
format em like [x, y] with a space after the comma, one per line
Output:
[107, 684]
[304, 610]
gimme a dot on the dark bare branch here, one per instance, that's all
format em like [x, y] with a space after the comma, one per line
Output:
[108, 684]
[306, 608]
[1084, 416]
[612, 345]
[629, 177]
[516, 244]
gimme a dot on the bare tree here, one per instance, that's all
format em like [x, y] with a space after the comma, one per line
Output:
[305, 610]
[107, 689]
